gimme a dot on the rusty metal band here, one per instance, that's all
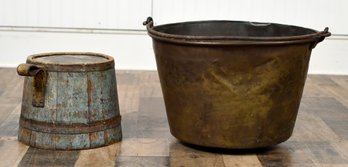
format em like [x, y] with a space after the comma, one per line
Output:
[71, 67]
[65, 128]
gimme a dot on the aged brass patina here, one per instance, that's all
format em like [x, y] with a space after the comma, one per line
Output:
[232, 84]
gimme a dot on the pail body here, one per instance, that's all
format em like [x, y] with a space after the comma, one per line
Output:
[69, 101]
[232, 84]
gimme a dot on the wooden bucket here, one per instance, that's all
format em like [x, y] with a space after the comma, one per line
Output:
[69, 101]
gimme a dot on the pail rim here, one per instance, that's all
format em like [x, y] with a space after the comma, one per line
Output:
[102, 65]
[313, 37]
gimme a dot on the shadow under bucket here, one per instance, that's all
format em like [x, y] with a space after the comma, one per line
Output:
[232, 84]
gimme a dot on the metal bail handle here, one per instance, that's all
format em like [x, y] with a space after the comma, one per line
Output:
[148, 23]
[39, 82]
[321, 36]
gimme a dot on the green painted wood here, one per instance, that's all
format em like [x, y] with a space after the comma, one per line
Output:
[72, 101]
[80, 112]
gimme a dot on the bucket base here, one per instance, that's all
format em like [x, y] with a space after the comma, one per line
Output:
[69, 141]
[234, 144]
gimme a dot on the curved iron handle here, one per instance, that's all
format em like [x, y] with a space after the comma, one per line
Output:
[148, 23]
[39, 82]
[321, 36]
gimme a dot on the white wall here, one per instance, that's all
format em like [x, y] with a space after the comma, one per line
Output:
[111, 14]
[115, 27]
[130, 50]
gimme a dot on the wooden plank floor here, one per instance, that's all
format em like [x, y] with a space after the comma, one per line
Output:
[320, 137]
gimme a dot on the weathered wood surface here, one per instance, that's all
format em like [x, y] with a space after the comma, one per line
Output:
[319, 139]
[79, 104]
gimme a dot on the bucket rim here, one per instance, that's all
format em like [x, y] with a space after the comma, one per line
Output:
[73, 67]
[315, 37]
